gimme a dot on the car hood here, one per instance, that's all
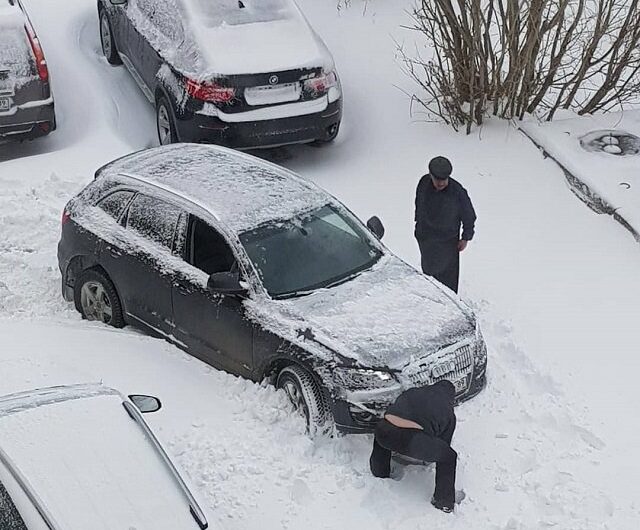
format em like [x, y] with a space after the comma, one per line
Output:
[387, 316]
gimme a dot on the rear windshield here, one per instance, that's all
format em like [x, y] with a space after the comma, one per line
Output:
[15, 55]
[215, 13]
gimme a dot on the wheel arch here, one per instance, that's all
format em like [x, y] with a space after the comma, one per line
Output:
[94, 265]
[275, 365]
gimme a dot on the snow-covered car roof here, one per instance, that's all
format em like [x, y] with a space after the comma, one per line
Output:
[242, 191]
[87, 460]
[257, 36]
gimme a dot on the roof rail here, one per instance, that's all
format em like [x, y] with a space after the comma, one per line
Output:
[173, 191]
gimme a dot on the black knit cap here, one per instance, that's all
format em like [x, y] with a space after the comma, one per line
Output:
[440, 168]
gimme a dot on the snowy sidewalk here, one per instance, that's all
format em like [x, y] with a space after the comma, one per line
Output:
[600, 156]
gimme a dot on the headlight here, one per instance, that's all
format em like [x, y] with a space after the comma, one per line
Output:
[363, 379]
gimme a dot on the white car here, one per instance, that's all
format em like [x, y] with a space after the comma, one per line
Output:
[82, 457]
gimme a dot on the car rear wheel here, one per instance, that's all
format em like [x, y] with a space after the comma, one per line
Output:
[96, 298]
[108, 42]
[305, 395]
[164, 123]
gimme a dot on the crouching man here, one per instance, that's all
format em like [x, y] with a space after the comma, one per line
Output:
[420, 425]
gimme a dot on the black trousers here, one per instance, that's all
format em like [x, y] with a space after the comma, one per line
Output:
[441, 259]
[417, 444]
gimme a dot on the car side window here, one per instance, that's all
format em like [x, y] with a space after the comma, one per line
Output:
[9, 516]
[154, 219]
[115, 203]
[207, 249]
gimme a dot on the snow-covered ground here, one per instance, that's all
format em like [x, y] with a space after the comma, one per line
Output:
[552, 440]
[601, 163]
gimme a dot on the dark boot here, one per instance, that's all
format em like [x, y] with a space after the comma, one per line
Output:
[380, 461]
[445, 507]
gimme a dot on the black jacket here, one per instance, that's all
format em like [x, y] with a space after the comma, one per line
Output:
[439, 214]
[430, 406]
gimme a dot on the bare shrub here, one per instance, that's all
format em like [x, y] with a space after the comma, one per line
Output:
[509, 58]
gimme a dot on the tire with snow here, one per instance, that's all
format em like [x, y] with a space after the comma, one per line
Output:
[96, 298]
[164, 122]
[305, 396]
[107, 40]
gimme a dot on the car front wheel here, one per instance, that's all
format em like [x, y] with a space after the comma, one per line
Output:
[305, 395]
[108, 42]
[96, 298]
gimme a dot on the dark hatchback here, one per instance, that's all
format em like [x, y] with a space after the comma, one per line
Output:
[262, 274]
[242, 74]
[26, 103]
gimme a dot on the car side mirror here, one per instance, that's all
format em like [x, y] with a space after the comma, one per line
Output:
[375, 225]
[145, 403]
[227, 283]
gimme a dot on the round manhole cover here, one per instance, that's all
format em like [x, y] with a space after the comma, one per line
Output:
[613, 142]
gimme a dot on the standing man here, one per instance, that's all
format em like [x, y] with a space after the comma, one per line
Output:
[442, 206]
[420, 425]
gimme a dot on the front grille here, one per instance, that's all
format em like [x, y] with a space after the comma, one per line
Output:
[452, 366]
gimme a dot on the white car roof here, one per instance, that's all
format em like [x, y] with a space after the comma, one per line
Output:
[240, 190]
[91, 465]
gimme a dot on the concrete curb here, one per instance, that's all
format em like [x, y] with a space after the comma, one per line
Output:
[586, 194]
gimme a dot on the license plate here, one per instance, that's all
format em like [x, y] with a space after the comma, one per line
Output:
[266, 95]
[460, 384]
[6, 84]
[5, 104]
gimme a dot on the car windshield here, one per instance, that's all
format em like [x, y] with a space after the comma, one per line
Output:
[315, 250]
[214, 13]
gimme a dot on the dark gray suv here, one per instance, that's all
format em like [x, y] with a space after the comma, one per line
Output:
[244, 74]
[26, 104]
[263, 274]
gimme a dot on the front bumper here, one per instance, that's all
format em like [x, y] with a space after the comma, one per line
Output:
[28, 121]
[361, 418]
[203, 128]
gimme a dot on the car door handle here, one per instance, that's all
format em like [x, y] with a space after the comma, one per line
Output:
[115, 253]
[182, 288]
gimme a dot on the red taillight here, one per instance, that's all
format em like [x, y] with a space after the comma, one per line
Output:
[41, 63]
[210, 91]
[322, 83]
[65, 217]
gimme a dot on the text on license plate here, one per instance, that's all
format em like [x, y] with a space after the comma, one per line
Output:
[5, 104]
[460, 384]
[261, 95]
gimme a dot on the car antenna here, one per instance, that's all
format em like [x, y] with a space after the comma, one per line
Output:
[240, 4]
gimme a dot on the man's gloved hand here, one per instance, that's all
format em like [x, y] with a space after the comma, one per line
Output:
[462, 244]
